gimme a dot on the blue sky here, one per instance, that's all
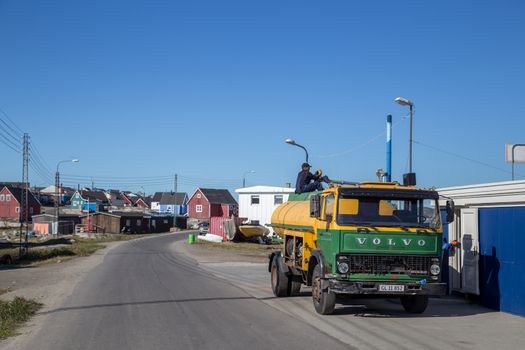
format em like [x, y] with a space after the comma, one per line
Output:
[140, 90]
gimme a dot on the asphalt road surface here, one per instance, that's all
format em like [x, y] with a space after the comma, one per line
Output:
[146, 296]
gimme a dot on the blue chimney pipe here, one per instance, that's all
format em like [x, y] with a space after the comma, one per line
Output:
[388, 176]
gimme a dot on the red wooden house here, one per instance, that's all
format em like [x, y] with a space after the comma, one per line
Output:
[206, 203]
[10, 203]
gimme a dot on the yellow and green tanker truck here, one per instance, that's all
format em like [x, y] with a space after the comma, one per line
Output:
[372, 238]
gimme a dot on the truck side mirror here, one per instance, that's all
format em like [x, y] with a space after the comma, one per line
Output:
[315, 206]
[450, 211]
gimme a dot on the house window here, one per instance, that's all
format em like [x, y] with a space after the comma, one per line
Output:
[139, 222]
[165, 221]
[17, 209]
[278, 199]
[8, 198]
[255, 199]
[2, 197]
[198, 208]
[199, 195]
[128, 222]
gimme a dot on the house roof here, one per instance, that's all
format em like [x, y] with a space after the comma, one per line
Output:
[177, 198]
[147, 200]
[51, 190]
[157, 197]
[218, 196]
[11, 184]
[17, 193]
[94, 195]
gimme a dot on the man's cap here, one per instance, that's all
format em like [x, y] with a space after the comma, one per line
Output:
[306, 165]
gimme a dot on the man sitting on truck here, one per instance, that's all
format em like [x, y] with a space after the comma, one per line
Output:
[308, 182]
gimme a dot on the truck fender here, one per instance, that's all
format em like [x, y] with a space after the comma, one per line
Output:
[279, 258]
[316, 257]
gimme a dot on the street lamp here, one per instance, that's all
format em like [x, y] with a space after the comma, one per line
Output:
[57, 183]
[244, 177]
[404, 102]
[293, 143]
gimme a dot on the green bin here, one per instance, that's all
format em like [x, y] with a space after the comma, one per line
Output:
[191, 238]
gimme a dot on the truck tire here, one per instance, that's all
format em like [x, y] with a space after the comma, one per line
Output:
[280, 280]
[295, 287]
[324, 302]
[415, 304]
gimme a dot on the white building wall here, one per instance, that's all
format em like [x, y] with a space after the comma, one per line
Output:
[155, 206]
[263, 211]
[496, 194]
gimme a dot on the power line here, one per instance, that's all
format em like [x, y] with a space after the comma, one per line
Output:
[12, 122]
[33, 148]
[464, 158]
[16, 138]
[366, 143]
[43, 175]
[8, 144]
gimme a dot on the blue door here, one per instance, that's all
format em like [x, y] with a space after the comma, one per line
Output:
[502, 261]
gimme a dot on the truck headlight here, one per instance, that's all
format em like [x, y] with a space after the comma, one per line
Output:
[343, 267]
[435, 270]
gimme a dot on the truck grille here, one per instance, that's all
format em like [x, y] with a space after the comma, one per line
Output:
[388, 264]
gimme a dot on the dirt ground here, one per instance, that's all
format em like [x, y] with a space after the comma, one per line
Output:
[226, 252]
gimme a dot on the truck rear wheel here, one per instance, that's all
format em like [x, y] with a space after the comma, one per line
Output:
[324, 301]
[280, 280]
[415, 304]
[295, 287]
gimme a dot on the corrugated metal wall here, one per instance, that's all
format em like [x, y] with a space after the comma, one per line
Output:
[502, 258]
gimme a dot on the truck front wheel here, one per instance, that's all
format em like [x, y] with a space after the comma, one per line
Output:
[280, 280]
[324, 301]
[415, 304]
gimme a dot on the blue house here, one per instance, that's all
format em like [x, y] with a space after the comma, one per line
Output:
[489, 263]
[170, 203]
[93, 201]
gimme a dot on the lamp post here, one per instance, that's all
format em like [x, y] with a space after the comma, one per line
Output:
[293, 143]
[244, 177]
[57, 184]
[404, 102]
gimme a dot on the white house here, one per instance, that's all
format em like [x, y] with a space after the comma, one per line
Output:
[257, 203]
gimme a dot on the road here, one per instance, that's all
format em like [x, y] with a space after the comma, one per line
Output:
[154, 293]
[145, 296]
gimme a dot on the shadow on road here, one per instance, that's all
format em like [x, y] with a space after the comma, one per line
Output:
[135, 303]
[391, 308]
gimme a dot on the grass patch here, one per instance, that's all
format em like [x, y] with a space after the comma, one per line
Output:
[57, 250]
[110, 238]
[240, 246]
[13, 314]
[59, 254]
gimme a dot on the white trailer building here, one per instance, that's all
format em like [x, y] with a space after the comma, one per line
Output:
[490, 226]
[257, 203]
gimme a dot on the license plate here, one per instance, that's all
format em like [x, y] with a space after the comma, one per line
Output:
[391, 288]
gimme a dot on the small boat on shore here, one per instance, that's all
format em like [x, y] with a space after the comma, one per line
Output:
[250, 231]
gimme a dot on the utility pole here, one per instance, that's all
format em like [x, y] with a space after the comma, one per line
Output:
[388, 148]
[23, 210]
[92, 184]
[175, 185]
[57, 199]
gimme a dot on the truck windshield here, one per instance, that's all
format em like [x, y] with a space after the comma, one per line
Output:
[391, 211]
